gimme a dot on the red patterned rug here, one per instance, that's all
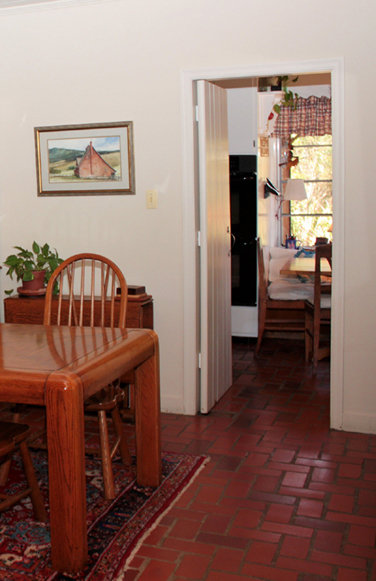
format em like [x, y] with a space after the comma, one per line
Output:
[115, 528]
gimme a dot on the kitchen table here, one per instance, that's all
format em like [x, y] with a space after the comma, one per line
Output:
[305, 266]
[59, 367]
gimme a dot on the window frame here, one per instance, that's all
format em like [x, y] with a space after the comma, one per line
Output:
[285, 213]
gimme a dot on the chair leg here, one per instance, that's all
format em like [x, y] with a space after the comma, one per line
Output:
[261, 328]
[4, 472]
[125, 454]
[127, 410]
[4, 469]
[258, 344]
[316, 344]
[307, 337]
[17, 415]
[108, 477]
[36, 496]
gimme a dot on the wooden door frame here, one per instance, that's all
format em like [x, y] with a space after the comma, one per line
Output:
[190, 212]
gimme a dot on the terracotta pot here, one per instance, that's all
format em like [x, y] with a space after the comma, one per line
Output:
[35, 284]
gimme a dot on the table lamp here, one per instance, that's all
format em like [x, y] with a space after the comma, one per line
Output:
[295, 190]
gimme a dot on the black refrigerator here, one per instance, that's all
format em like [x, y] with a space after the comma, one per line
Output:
[243, 202]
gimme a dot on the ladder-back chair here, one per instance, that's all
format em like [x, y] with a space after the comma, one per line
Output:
[83, 291]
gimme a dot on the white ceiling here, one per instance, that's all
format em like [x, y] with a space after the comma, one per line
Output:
[10, 5]
[16, 3]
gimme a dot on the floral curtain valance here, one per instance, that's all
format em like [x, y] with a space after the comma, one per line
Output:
[312, 116]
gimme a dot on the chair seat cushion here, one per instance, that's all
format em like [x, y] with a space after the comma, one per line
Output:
[290, 289]
[326, 301]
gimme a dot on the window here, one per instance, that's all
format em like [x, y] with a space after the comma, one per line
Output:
[310, 218]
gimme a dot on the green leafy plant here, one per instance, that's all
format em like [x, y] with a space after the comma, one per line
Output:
[289, 99]
[26, 262]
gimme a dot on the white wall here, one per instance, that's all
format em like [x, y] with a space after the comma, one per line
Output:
[121, 60]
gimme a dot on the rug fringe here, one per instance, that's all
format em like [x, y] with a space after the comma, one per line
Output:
[158, 520]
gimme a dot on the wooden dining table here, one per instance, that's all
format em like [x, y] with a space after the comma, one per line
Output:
[304, 266]
[59, 367]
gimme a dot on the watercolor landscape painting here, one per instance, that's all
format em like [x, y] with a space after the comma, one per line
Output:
[85, 159]
[99, 156]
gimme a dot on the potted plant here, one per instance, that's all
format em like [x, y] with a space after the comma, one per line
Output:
[289, 99]
[33, 268]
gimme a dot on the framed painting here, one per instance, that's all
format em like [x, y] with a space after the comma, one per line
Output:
[85, 160]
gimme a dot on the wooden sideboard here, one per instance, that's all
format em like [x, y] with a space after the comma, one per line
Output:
[30, 310]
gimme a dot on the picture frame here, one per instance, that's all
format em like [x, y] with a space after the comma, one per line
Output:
[85, 160]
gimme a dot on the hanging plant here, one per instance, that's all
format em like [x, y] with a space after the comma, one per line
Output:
[289, 99]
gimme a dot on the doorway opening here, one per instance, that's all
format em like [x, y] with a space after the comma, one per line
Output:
[191, 292]
[261, 141]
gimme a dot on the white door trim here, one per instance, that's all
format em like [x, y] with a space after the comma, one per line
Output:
[189, 168]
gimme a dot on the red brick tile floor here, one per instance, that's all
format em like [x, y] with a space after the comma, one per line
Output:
[283, 497]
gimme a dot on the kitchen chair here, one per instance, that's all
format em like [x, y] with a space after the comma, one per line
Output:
[11, 436]
[285, 313]
[91, 283]
[318, 309]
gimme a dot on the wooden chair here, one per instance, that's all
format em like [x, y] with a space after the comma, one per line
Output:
[11, 436]
[97, 277]
[275, 315]
[318, 310]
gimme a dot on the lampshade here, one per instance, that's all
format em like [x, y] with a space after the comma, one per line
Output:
[295, 190]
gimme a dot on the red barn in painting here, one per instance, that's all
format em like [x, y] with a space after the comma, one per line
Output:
[92, 165]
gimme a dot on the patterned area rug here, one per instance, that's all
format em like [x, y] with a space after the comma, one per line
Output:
[115, 528]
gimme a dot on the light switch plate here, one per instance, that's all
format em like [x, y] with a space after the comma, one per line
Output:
[151, 199]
